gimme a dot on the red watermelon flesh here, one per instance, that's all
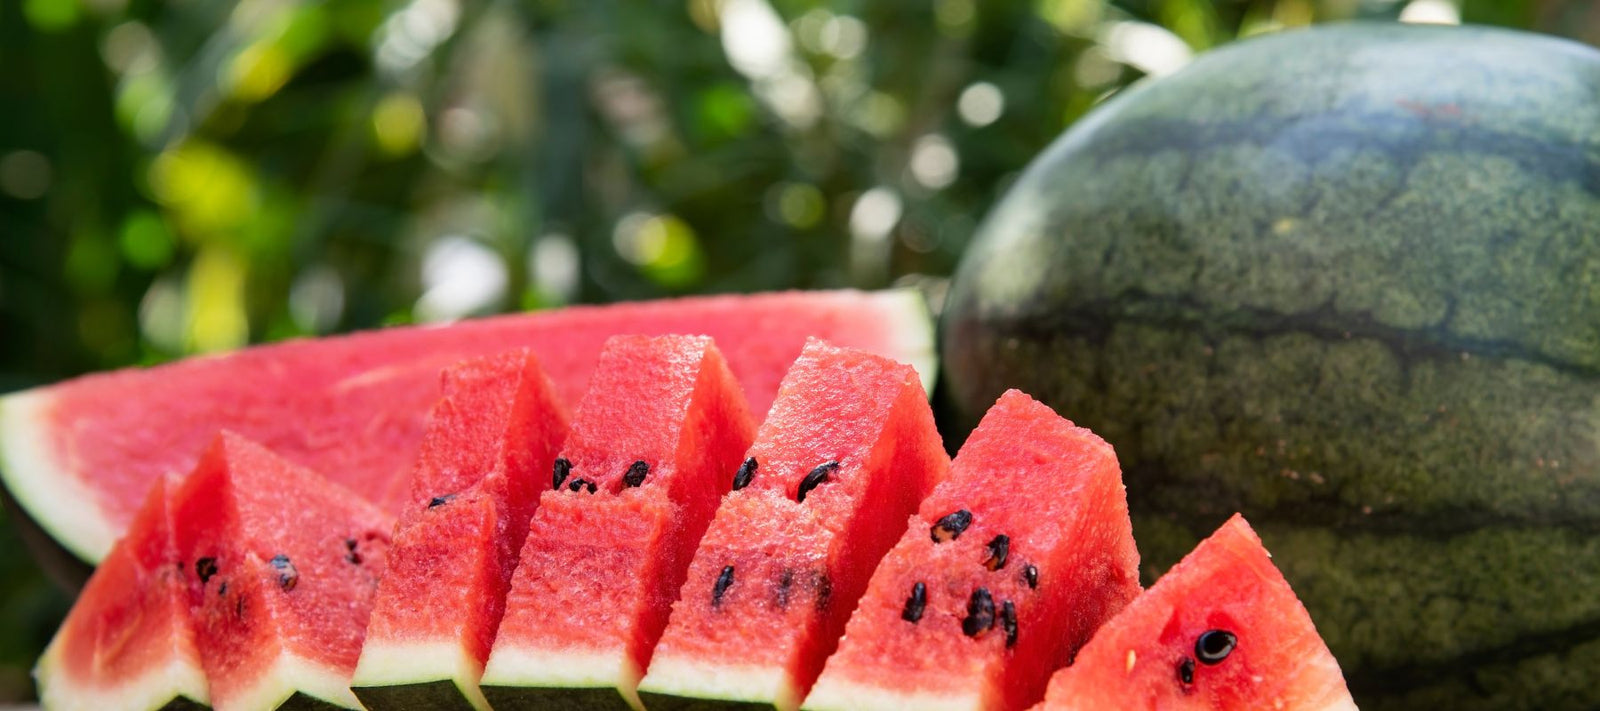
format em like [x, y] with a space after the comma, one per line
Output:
[354, 407]
[1020, 554]
[126, 644]
[490, 440]
[282, 567]
[845, 455]
[1221, 630]
[655, 444]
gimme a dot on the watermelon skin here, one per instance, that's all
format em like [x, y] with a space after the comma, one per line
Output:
[798, 567]
[1227, 583]
[599, 570]
[1339, 280]
[126, 643]
[490, 441]
[284, 567]
[355, 406]
[1055, 492]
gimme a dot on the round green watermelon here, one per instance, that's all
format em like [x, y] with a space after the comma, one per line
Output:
[1346, 281]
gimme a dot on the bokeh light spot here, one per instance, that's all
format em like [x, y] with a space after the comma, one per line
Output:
[980, 104]
[398, 123]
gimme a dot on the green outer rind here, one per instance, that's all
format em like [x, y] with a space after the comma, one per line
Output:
[1341, 280]
[305, 702]
[442, 694]
[664, 702]
[533, 698]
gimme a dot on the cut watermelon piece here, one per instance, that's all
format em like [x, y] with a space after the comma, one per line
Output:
[1221, 630]
[654, 446]
[845, 455]
[354, 407]
[283, 567]
[475, 485]
[127, 644]
[1006, 570]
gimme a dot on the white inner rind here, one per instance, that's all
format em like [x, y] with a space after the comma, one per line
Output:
[912, 333]
[834, 694]
[564, 668]
[60, 690]
[42, 484]
[385, 663]
[725, 682]
[287, 675]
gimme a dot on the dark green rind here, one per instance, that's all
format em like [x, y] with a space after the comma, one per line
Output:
[184, 703]
[534, 698]
[303, 702]
[442, 694]
[1346, 281]
[663, 702]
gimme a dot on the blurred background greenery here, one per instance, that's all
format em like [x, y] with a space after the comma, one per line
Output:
[186, 176]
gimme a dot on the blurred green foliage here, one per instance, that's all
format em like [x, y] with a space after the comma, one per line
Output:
[178, 177]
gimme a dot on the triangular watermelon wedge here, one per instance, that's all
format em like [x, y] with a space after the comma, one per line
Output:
[654, 446]
[1221, 630]
[127, 644]
[1006, 570]
[282, 565]
[490, 441]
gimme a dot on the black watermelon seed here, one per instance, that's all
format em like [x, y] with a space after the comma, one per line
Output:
[238, 606]
[1008, 622]
[980, 614]
[747, 471]
[1030, 575]
[205, 568]
[222, 590]
[591, 486]
[562, 469]
[815, 479]
[785, 582]
[999, 551]
[1186, 671]
[915, 604]
[824, 591]
[351, 555]
[951, 527]
[580, 483]
[441, 500]
[288, 577]
[724, 581]
[1214, 646]
[637, 471]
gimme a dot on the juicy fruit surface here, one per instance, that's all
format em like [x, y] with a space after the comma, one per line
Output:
[775, 577]
[658, 435]
[126, 643]
[476, 483]
[1338, 280]
[354, 407]
[1033, 515]
[1220, 630]
[284, 566]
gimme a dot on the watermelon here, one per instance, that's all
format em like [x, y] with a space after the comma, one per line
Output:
[846, 453]
[655, 444]
[1004, 572]
[354, 407]
[126, 643]
[488, 443]
[1220, 630]
[1340, 280]
[284, 565]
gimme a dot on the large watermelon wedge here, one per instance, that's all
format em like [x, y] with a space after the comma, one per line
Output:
[1006, 570]
[654, 446]
[354, 407]
[1221, 630]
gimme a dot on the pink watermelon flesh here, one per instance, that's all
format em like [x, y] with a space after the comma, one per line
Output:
[354, 407]
[1221, 630]
[126, 644]
[490, 440]
[775, 577]
[1021, 553]
[658, 437]
[281, 566]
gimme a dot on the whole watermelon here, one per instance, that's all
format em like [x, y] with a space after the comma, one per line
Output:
[1347, 281]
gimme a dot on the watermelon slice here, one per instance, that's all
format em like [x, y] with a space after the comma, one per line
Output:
[284, 565]
[845, 455]
[1005, 571]
[126, 644]
[354, 407]
[654, 446]
[488, 442]
[1221, 630]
